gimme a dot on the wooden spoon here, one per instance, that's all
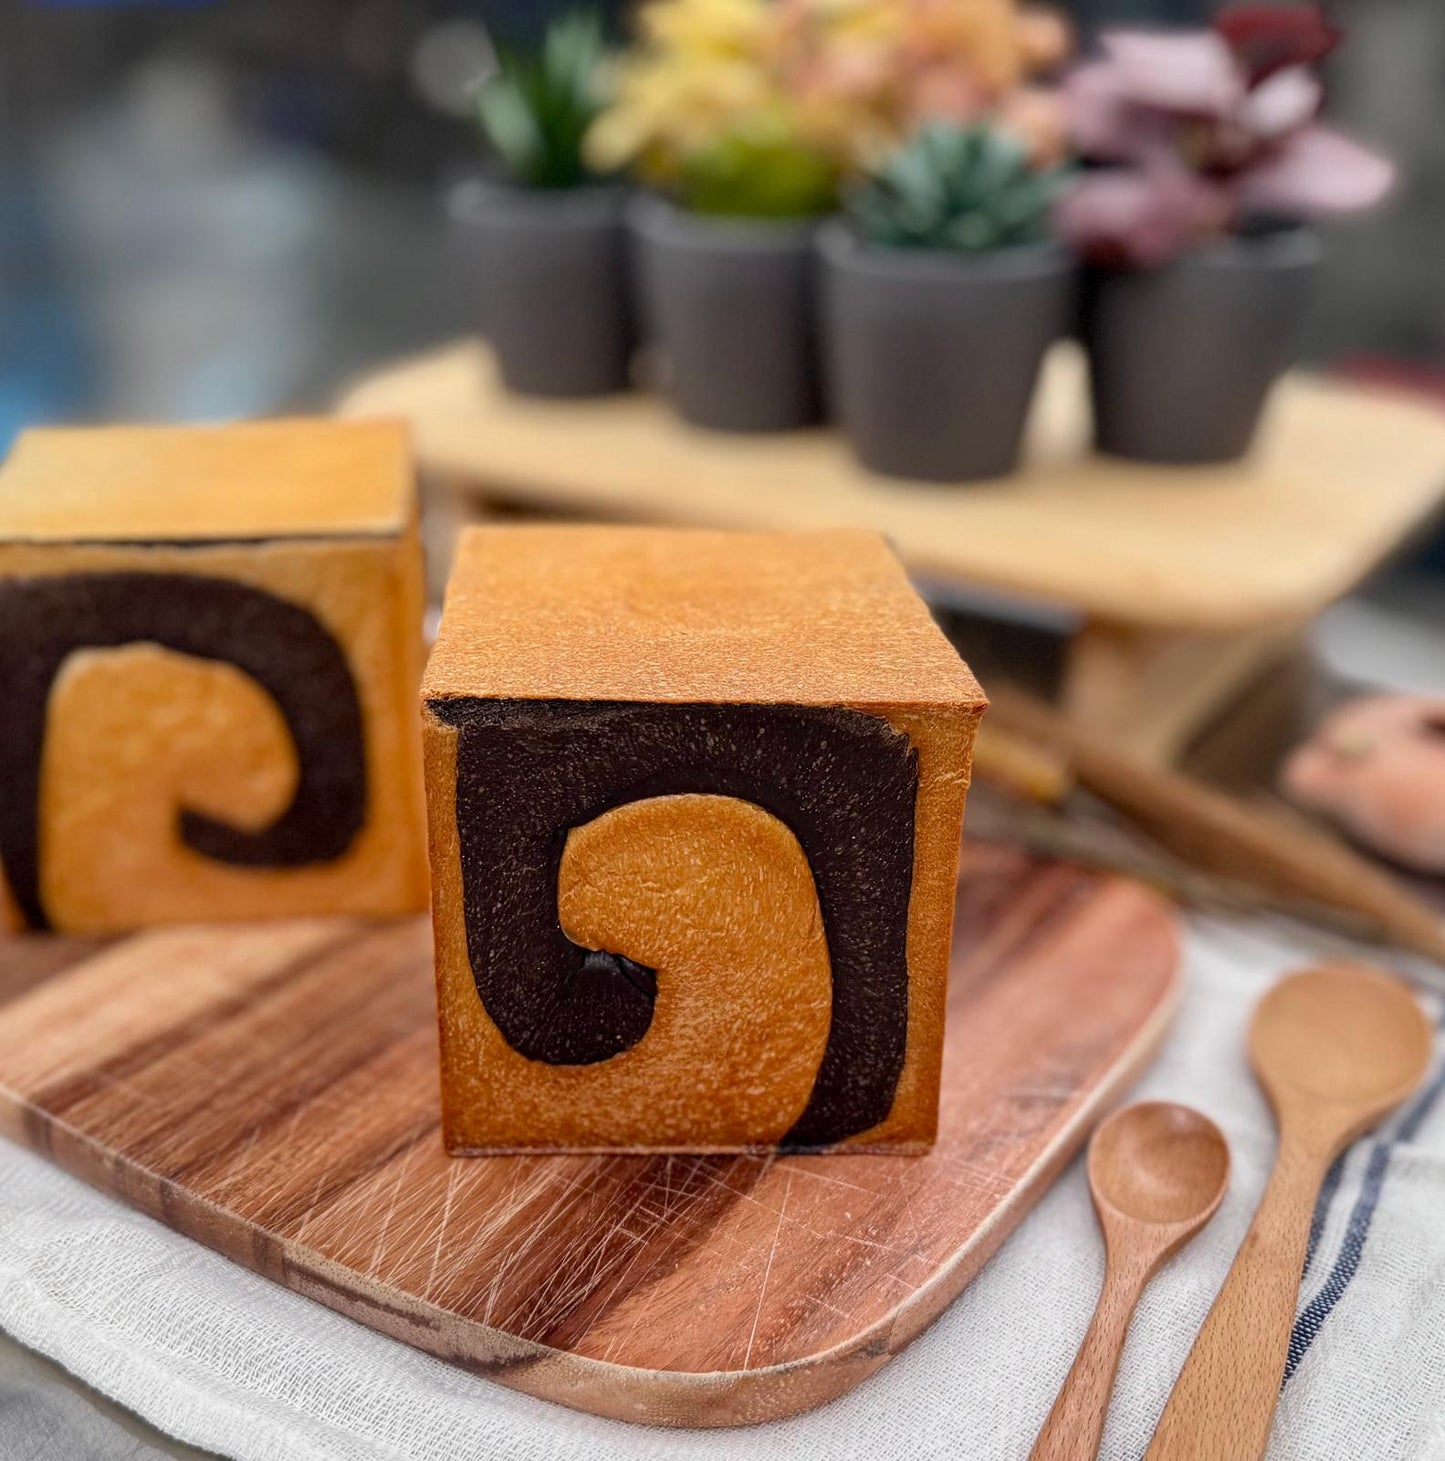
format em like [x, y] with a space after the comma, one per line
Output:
[1157, 1172]
[1336, 1049]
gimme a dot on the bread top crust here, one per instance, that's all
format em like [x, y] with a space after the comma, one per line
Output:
[677, 616]
[258, 480]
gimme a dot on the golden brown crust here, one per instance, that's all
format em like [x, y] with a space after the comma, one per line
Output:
[665, 615]
[308, 478]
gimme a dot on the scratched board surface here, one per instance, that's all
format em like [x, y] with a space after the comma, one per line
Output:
[271, 1090]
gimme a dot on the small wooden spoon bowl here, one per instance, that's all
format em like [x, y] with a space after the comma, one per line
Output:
[1160, 1164]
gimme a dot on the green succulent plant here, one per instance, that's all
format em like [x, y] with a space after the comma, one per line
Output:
[961, 189]
[748, 177]
[535, 109]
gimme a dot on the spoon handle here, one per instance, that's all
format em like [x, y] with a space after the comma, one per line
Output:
[1076, 1423]
[1223, 1404]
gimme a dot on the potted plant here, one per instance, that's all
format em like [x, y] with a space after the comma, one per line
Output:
[550, 234]
[725, 279]
[942, 291]
[722, 244]
[1208, 160]
[744, 117]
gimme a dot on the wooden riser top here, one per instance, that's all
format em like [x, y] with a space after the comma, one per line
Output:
[1341, 473]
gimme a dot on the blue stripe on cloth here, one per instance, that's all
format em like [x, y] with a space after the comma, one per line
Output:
[1328, 1189]
[1311, 1319]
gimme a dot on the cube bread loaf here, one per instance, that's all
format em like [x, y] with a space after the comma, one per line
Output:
[210, 642]
[695, 802]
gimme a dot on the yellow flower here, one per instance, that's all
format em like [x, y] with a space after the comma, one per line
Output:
[847, 79]
[707, 27]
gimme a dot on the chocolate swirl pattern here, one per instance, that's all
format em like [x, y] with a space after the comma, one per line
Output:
[283, 647]
[844, 782]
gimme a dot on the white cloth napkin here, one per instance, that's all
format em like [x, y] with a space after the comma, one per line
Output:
[229, 1362]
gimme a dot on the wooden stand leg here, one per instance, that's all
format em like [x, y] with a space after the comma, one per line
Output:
[446, 510]
[1151, 691]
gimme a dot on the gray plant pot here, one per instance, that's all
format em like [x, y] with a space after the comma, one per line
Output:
[555, 285]
[729, 306]
[1182, 359]
[933, 357]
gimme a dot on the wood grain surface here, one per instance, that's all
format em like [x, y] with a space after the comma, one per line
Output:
[271, 1090]
[1341, 474]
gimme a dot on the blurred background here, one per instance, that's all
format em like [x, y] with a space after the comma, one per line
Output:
[223, 208]
[212, 208]
[220, 208]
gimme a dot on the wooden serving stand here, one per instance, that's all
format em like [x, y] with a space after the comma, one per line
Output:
[1184, 583]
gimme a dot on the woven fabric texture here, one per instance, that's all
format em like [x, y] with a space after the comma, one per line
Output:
[229, 1362]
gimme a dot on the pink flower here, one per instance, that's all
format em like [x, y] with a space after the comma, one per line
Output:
[1141, 218]
[1193, 73]
[1197, 131]
[1108, 123]
[1281, 104]
[1317, 170]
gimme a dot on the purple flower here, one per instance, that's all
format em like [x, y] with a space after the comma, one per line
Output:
[1318, 170]
[1195, 131]
[1142, 217]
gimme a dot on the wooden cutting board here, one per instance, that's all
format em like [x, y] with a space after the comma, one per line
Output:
[271, 1090]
